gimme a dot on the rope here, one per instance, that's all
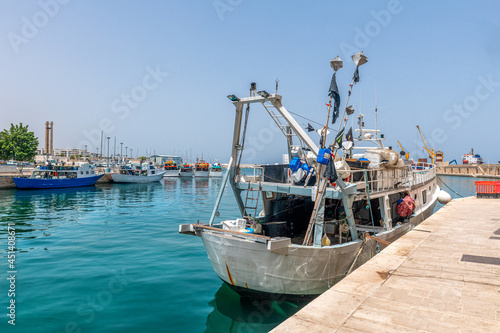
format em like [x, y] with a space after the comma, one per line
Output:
[368, 202]
[357, 256]
[461, 196]
[312, 121]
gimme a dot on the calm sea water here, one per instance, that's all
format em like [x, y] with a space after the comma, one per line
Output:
[109, 259]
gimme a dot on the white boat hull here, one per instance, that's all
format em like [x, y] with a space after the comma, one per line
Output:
[171, 173]
[215, 174]
[303, 271]
[120, 178]
[186, 174]
[201, 173]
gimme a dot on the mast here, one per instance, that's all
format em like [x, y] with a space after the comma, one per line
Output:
[376, 108]
[317, 217]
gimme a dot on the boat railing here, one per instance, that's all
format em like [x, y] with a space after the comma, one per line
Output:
[378, 180]
[256, 175]
[387, 179]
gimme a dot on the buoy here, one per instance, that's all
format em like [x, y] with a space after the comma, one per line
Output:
[325, 241]
[444, 197]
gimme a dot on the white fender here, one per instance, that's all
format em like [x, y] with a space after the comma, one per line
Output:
[444, 197]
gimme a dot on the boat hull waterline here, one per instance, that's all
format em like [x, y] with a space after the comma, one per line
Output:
[118, 178]
[171, 173]
[304, 271]
[28, 183]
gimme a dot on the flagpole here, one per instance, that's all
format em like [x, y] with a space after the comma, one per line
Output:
[325, 129]
[322, 181]
[347, 102]
[359, 59]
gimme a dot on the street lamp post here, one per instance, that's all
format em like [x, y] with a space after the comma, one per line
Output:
[121, 150]
[126, 152]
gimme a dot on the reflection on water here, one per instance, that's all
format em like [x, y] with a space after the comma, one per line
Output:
[35, 210]
[69, 240]
[233, 313]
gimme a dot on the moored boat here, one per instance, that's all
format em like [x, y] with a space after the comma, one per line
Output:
[186, 170]
[201, 168]
[306, 225]
[137, 173]
[59, 176]
[215, 170]
[171, 169]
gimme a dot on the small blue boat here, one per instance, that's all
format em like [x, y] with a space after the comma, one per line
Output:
[59, 176]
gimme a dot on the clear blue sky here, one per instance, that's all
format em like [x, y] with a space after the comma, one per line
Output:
[435, 64]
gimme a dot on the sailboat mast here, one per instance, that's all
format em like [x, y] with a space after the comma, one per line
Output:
[376, 107]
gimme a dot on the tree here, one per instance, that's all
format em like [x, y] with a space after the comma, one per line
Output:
[18, 143]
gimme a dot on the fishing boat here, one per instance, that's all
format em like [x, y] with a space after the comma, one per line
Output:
[137, 173]
[171, 169]
[186, 170]
[59, 176]
[215, 170]
[201, 168]
[305, 225]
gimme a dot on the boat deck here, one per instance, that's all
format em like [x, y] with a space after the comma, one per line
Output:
[440, 277]
[331, 192]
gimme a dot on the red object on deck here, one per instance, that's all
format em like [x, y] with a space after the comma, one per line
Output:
[406, 207]
[488, 189]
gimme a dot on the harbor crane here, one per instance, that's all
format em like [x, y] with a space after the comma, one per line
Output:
[404, 152]
[432, 155]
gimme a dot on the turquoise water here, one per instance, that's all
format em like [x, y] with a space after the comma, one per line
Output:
[109, 259]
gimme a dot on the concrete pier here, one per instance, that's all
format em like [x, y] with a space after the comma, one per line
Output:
[471, 170]
[6, 182]
[443, 276]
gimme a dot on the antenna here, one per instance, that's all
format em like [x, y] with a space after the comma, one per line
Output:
[360, 86]
[277, 85]
[376, 108]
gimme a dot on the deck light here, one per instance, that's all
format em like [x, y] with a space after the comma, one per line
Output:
[359, 59]
[349, 110]
[336, 63]
[263, 94]
[233, 98]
